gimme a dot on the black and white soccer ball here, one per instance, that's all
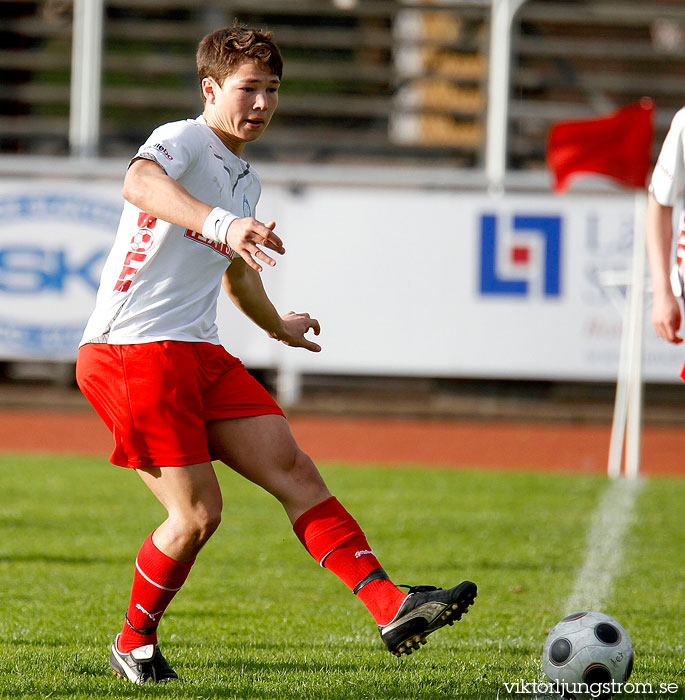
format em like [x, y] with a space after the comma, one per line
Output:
[587, 653]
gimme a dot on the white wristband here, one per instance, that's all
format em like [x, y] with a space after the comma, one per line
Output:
[216, 224]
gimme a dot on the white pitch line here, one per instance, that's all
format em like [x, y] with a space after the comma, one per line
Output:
[604, 546]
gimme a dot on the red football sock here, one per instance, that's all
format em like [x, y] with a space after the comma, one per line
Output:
[156, 581]
[333, 537]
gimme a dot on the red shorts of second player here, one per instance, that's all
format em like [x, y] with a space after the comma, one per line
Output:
[156, 397]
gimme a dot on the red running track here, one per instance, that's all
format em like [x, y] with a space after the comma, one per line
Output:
[581, 448]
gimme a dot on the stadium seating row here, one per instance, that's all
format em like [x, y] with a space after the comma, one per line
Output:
[379, 80]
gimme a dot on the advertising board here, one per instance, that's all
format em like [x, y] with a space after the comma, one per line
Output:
[407, 281]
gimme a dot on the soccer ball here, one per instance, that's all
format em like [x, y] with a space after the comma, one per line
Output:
[588, 655]
[141, 241]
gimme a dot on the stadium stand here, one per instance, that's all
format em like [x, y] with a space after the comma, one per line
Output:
[373, 81]
[578, 58]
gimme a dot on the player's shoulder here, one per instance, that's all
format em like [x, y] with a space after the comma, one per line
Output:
[178, 142]
[183, 128]
[175, 144]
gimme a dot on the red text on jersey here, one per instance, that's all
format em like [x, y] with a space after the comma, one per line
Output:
[222, 248]
[140, 242]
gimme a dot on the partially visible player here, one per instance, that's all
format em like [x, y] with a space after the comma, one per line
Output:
[151, 363]
[666, 204]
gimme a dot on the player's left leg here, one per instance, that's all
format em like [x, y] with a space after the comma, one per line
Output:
[263, 450]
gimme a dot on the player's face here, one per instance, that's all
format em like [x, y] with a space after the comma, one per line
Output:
[241, 108]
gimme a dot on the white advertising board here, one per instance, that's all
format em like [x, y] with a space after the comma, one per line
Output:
[54, 238]
[446, 284]
[404, 281]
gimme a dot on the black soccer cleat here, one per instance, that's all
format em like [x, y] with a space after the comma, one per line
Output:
[425, 610]
[142, 665]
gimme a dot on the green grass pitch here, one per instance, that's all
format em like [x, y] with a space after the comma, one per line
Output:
[259, 619]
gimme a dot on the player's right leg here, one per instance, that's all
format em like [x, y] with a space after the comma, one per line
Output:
[192, 498]
[150, 396]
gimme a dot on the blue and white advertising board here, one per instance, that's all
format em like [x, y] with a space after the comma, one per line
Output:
[53, 242]
[404, 281]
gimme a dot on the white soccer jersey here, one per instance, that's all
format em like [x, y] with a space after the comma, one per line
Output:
[668, 180]
[161, 281]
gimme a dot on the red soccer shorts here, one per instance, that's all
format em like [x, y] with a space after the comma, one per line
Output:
[156, 397]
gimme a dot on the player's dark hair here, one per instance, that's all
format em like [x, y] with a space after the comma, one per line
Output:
[221, 52]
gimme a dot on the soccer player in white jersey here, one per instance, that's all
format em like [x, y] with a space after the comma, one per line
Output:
[151, 364]
[666, 207]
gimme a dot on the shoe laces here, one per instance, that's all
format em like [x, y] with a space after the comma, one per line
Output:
[418, 589]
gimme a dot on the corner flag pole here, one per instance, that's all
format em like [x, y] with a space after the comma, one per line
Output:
[634, 425]
[627, 420]
[618, 146]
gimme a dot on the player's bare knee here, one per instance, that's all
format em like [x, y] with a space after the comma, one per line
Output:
[195, 527]
[207, 522]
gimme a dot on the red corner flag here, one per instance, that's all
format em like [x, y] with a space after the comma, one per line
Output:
[618, 145]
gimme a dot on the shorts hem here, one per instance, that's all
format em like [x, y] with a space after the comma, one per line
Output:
[161, 462]
[244, 413]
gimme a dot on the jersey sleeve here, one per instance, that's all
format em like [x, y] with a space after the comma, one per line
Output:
[668, 179]
[173, 146]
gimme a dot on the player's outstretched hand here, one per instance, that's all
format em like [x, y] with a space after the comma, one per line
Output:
[294, 328]
[246, 235]
[666, 317]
